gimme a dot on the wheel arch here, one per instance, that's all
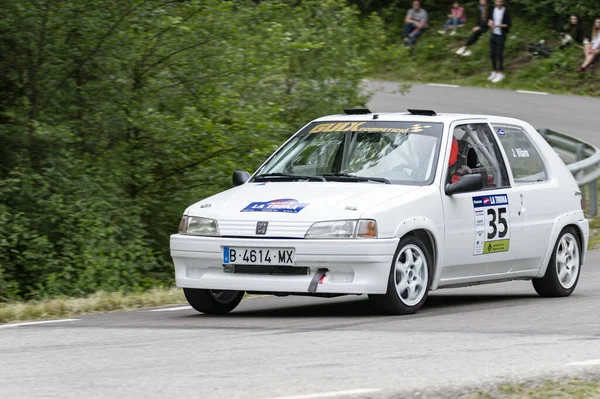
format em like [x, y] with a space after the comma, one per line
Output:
[561, 223]
[424, 229]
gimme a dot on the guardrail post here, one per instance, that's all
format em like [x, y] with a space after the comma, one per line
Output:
[593, 197]
[580, 155]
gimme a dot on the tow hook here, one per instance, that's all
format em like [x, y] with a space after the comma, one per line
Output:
[316, 280]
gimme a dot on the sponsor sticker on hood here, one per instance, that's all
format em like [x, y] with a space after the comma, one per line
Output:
[285, 205]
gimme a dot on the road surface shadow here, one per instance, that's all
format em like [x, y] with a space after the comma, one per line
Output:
[361, 306]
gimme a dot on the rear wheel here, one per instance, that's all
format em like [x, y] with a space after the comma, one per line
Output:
[564, 267]
[409, 280]
[213, 301]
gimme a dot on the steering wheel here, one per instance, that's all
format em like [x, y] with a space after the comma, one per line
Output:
[416, 172]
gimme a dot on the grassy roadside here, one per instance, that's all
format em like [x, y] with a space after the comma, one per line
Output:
[594, 233]
[433, 60]
[594, 242]
[100, 302]
[571, 389]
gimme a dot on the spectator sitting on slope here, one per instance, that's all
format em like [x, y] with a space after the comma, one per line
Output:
[574, 32]
[591, 47]
[415, 23]
[457, 18]
[478, 30]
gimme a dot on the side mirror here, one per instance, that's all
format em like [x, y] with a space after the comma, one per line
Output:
[465, 184]
[240, 177]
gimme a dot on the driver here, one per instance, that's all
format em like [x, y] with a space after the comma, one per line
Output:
[457, 167]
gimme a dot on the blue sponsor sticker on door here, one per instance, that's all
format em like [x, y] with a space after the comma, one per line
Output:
[490, 200]
[284, 205]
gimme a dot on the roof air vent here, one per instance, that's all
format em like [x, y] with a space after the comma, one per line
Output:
[427, 112]
[357, 111]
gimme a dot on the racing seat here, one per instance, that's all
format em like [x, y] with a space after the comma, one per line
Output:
[464, 161]
[468, 157]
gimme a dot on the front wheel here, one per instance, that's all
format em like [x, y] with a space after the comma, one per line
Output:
[564, 268]
[409, 280]
[213, 301]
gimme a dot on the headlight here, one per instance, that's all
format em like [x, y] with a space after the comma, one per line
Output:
[197, 226]
[363, 228]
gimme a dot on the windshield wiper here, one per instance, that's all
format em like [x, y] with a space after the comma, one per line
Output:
[288, 176]
[346, 176]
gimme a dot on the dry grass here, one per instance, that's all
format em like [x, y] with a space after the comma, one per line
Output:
[575, 388]
[100, 302]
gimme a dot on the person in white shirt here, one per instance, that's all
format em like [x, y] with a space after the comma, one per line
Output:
[499, 23]
[591, 47]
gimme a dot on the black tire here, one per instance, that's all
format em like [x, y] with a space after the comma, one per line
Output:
[397, 302]
[552, 284]
[213, 301]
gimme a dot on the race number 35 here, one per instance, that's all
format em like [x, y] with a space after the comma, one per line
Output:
[492, 224]
[497, 223]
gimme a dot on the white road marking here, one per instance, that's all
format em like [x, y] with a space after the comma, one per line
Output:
[441, 85]
[331, 394]
[593, 362]
[171, 309]
[539, 93]
[33, 323]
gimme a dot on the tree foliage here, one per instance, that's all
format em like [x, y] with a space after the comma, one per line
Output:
[115, 116]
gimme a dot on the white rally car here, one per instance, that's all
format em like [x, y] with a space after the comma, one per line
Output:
[392, 205]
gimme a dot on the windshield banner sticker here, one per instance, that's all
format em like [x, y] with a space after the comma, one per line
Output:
[358, 126]
[285, 205]
[492, 224]
[337, 127]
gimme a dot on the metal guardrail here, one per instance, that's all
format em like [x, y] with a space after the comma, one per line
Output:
[585, 169]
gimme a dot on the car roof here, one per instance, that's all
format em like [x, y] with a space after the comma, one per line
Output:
[410, 117]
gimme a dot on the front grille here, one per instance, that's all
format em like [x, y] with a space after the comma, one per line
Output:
[254, 237]
[268, 270]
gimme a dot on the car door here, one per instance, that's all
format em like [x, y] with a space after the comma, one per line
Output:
[531, 180]
[482, 228]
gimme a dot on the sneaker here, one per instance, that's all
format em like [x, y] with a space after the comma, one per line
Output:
[461, 50]
[467, 53]
[442, 32]
[492, 75]
[498, 78]
[453, 33]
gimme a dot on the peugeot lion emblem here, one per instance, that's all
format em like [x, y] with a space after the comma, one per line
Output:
[261, 228]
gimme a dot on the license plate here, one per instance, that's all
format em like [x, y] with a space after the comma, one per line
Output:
[259, 256]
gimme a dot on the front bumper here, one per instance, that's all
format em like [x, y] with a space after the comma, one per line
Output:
[355, 266]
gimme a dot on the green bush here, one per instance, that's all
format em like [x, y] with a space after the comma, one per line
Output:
[115, 116]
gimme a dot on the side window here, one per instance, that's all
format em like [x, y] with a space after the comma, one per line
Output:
[525, 161]
[474, 150]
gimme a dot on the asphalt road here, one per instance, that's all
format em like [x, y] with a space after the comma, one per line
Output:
[304, 348]
[573, 115]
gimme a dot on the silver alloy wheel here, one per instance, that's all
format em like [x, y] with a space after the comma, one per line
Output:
[567, 261]
[411, 275]
[224, 297]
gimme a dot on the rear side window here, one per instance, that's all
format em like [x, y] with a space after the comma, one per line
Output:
[525, 161]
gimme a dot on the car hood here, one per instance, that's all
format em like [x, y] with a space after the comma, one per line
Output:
[297, 201]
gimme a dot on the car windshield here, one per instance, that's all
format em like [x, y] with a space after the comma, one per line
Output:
[374, 151]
